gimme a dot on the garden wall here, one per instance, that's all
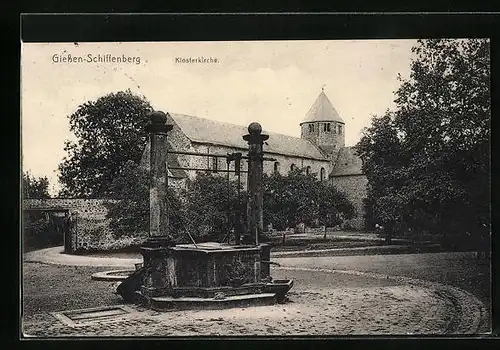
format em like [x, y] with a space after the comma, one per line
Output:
[89, 228]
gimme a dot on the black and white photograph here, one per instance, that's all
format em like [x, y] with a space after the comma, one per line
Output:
[256, 188]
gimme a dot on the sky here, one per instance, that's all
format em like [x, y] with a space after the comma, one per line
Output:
[271, 82]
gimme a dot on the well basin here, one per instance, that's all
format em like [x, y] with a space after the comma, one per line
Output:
[279, 287]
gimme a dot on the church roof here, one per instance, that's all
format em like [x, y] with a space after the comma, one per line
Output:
[347, 163]
[322, 110]
[208, 131]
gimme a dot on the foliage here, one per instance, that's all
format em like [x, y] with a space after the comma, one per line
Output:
[39, 229]
[33, 187]
[301, 198]
[200, 208]
[205, 206]
[427, 161]
[129, 213]
[109, 132]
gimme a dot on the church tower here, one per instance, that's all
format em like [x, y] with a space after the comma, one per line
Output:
[323, 127]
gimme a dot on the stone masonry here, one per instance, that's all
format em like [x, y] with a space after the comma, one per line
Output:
[90, 226]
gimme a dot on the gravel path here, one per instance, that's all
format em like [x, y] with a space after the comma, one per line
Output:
[323, 302]
[50, 288]
[462, 270]
[344, 311]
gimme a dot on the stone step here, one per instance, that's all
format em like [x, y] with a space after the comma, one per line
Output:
[167, 303]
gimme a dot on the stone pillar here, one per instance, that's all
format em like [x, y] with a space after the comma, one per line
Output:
[155, 280]
[158, 215]
[255, 224]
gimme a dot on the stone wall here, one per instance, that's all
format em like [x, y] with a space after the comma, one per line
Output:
[90, 229]
[355, 188]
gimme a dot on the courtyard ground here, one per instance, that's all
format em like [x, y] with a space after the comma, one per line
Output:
[326, 299]
[460, 269]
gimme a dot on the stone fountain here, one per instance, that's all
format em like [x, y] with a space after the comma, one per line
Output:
[203, 275]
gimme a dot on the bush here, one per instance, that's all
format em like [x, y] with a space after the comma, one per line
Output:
[205, 209]
[299, 198]
[129, 213]
[41, 230]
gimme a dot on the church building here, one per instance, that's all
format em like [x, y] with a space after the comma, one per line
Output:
[320, 150]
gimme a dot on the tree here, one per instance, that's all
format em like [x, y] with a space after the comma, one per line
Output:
[38, 227]
[427, 162]
[109, 132]
[333, 206]
[129, 212]
[302, 198]
[206, 213]
[33, 187]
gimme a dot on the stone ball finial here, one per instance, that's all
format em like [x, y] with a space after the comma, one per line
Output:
[158, 117]
[254, 128]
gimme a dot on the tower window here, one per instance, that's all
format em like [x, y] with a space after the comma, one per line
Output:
[340, 129]
[308, 170]
[214, 164]
[326, 127]
[322, 174]
[276, 167]
[311, 127]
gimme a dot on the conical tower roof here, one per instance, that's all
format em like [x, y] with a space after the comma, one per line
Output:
[322, 111]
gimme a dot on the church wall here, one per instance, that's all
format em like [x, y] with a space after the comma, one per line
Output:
[285, 162]
[179, 142]
[204, 162]
[176, 138]
[355, 188]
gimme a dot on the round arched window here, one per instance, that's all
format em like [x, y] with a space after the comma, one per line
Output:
[322, 174]
[276, 167]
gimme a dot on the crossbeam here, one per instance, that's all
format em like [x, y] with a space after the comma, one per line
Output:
[211, 170]
[188, 153]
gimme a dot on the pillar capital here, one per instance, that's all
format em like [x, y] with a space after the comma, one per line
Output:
[255, 135]
[158, 123]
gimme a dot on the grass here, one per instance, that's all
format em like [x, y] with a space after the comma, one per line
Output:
[291, 245]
